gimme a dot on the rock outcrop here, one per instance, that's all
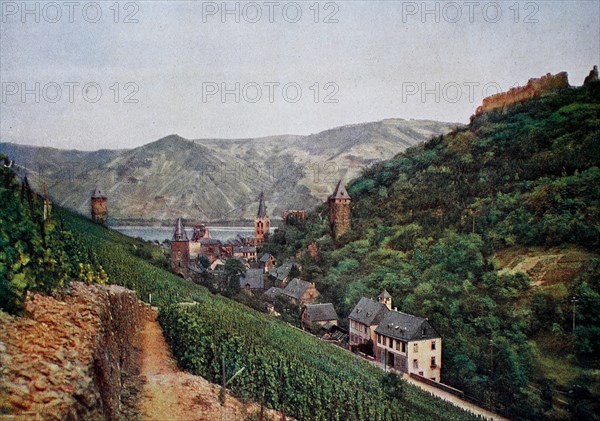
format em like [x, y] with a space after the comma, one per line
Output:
[535, 88]
[72, 357]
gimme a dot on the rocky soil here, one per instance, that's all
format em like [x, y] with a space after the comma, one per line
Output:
[73, 356]
[98, 353]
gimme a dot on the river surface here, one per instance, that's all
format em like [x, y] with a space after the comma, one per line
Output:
[165, 233]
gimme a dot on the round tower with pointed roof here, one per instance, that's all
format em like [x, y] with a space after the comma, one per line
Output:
[339, 211]
[99, 206]
[180, 250]
[262, 221]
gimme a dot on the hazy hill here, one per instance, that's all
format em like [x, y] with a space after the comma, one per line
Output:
[218, 179]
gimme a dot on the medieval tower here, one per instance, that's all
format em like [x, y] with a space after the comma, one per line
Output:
[262, 222]
[339, 211]
[180, 250]
[99, 206]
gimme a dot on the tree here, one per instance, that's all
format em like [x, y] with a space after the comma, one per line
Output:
[232, 271]
[204, 261]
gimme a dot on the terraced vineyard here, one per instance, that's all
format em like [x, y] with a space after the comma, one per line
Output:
[284, 368]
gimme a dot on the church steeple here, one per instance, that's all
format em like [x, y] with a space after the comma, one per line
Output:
[180, 250]
[179, 234]
[262, 222]
[262, 208]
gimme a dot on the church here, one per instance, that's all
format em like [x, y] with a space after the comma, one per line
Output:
[185, 252]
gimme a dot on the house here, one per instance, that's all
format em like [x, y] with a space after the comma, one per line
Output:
[217, 266]
[301, 292]
[318, 314]
[334, 334]
[282, 274]
[252, 280]
[409, 344]
[266, 262]
[272, 293]
[245, 252]
[364, 319]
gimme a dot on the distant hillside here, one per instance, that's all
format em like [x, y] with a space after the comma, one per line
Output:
[218, 179]
[489, 232]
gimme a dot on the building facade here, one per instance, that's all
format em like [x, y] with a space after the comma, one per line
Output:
[318, 314]
[364, 319]
[409, 344]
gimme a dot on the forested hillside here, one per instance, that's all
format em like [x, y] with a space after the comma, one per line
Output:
[428, 223]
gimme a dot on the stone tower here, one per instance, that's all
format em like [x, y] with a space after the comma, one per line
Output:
[180, 250]
[339, 211]
[262, 221]
[99, 206]
[386, 299]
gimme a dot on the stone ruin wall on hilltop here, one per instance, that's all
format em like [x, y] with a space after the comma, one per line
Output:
[535, 88]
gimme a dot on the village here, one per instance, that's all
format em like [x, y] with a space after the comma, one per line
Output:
[376, 330]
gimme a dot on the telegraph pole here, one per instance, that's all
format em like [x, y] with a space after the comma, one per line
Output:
[491, 371]
[491, 358]
[574, 300]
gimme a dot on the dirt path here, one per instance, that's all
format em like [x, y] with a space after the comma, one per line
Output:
[171, 394]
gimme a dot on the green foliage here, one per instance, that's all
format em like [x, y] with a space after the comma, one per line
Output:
[120, 257]
[289, 370]
[426, 223]
[232, 271]
[35, 254]
[204, 261]
[284, 367]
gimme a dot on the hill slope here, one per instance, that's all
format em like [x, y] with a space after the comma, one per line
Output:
[284, 368]
[436, 225]
[217, 179]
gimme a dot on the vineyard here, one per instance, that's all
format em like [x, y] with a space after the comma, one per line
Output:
[131, 263]
[288, 370]
[285, 369]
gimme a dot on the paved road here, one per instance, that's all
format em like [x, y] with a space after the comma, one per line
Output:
[468, 406]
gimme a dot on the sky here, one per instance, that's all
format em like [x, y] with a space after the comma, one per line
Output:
[108, 75]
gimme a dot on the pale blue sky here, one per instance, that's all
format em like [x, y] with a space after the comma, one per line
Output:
[373, 52]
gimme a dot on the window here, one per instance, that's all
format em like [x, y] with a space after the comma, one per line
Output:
[433, 364]
[397, 345]
[423, 331]
[416, 347]
[416, 364]
[390, 342]
[378, 338]
[433, 345]
[404, 347]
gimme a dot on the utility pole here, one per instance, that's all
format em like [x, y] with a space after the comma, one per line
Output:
[491, 369]
[491, 358]
[574, 300]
